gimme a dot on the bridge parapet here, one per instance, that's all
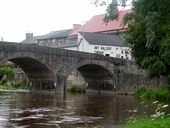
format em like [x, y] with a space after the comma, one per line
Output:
[36, 49]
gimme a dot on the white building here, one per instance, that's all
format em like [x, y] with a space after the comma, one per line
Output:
[108, 45]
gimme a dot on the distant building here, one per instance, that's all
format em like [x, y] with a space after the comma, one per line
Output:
[95, 36]
[55, 38]
[30, 39]
[52, 39]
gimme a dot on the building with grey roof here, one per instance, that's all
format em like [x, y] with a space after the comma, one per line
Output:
[99, 43]
[103, 39]
[52, 39]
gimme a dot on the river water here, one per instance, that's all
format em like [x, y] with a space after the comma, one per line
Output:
[55, 110]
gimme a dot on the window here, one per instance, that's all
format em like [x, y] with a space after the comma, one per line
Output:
[53, 40]
[107, 54]
[102, 48]
[122, 51]
[99, 52]
[117, 49]
[59, 42]
[109, 48]
[106, 48]
[126, 51]
[96, 47]
[122, 57]
[118, 55]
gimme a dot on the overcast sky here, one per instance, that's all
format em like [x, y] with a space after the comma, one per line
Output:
[18, 17]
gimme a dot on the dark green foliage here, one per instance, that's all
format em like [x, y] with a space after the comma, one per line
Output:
[144, 93]
[7, 72]
[14, 86]
[20, 86]
[111, 11]
[112, 8]
[149, 123]
[161, 94]
[157, 94]
[148, 35]
[158, 68]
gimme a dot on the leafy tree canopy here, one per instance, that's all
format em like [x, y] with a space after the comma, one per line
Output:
[148, 34]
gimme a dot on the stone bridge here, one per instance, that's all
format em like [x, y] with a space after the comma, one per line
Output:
[44, 65]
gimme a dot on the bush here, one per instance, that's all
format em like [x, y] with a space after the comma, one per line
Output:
[144, 93]
[157, 94]
[148, 94]
[7, 71]
[140, 91]
[161, 94]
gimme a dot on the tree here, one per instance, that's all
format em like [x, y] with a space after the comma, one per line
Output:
[148, 34]
[112, 8]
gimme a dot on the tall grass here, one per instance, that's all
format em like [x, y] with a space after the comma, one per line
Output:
[156, 94]
[149, 123]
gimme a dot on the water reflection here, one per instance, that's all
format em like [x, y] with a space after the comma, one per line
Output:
[50, 110]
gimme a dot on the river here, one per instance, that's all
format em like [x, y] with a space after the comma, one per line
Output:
[55, 110]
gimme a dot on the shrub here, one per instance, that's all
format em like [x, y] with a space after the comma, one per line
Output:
[161, 93]
[157, 94]
[7, 71]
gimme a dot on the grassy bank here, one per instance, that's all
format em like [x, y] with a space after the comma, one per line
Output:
[160, 119]
[149, 123]
[156, 94]
[7, 74]
[15, 86]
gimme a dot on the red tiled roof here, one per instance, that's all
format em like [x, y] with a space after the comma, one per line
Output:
[96, 24]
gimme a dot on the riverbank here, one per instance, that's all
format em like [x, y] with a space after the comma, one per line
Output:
[160, 119]
[155, 94]
[16, 90]
[149, 123]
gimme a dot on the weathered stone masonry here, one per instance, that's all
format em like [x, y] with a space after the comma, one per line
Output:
[45, 65]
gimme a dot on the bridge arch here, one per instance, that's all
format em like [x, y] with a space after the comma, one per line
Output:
[97, 76]
[37, 72]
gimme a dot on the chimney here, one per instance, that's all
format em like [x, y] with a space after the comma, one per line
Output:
[29, 36]
[2, 39]
[76, 26]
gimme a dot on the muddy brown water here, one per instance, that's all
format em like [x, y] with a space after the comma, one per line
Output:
[55, 110]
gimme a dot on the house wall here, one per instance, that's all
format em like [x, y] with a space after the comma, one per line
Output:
[83, 45]
[113, 51]
[71, 48]
[52, 42]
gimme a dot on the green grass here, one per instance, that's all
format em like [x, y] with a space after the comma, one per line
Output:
[14, 86]
[7, 72]
[149, 123]
[156, 94]
[76, 89]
